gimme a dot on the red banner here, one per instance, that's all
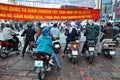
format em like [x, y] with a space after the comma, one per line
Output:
[15, 12]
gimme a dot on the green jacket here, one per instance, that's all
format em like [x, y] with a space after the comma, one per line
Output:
[91, 33]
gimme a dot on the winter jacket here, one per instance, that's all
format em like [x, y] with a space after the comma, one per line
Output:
[108, 32]
[91, 33]
[7, 33]
[44, 44]
[29, 34]
[71, 35]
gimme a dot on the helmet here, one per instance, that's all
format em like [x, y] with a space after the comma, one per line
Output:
[43, 25]
[7, 24]
[29, 24]
[108, 24]
[39, 24]
[55, 25]
[72, 24]
[46, 31]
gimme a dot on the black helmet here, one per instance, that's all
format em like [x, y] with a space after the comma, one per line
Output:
[39, 24]
[29, 24]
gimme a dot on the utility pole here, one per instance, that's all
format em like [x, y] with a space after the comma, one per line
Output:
[100, 27]
[114, 11]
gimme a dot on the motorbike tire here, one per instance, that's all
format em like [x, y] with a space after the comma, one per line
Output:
[31, 53]
[42, 73]
[73, 60]
[110, 57]
[56, 50]
[19, 46]
[90, 59]
[3, 55]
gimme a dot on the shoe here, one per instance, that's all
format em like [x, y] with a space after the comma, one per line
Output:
[63, 55]
[22, 55]
[59, 68]
[17, 53]
[51, 62]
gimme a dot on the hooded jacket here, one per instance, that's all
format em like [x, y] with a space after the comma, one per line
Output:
[44, 44]
[29, 33]
[71, 34]
[91, 33]
[108, 32]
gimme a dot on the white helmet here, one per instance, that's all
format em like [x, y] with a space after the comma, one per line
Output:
[43, 25]
[72, 24]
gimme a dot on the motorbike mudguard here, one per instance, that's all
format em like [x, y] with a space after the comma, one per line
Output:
[37, 70]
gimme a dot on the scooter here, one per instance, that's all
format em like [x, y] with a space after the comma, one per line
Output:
[6, 48]
[31, 49]
[56, 45]
[108, 48]
[116, 38]
[42, 65]
[73, 51]
[91, 50]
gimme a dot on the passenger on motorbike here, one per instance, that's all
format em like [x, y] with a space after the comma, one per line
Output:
[38, 31]
[8, 36]
[29, 34]
[71, 35]
[43, 25]
[55, 31]
[108, 31]
[91, 34]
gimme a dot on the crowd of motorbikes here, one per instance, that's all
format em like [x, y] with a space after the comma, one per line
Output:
[73, 54]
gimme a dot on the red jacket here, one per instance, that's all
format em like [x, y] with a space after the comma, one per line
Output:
[38, 34]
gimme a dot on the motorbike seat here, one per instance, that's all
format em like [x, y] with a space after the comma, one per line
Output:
[5, 43]
[108, 41]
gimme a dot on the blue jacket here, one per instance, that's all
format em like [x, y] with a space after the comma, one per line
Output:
[44, 44]
[71, 36]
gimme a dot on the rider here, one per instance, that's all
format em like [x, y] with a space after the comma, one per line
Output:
[38, 31]
[47, 47]
[55, 31]
[7, 36]
[71, 36]
[91, 34]
[29, 36]
[108, 31]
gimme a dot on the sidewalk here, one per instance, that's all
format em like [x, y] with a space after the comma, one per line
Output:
[17, 68]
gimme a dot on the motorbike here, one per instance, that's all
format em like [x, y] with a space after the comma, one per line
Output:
[90, 51]
[56, 45]
[73, 51]
[31, 49]
[116, 38]
[42, 65]
[108, 48]
[6, 48]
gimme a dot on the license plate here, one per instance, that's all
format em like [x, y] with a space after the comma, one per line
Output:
[38, 63]
[57, 45]
[74, 52]
[91, 49]
[33, 49]
[112, 52]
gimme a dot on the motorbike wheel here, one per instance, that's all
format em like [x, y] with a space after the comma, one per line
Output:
[19, 46]
[90, 59]
[3, 55]
[56, 50]
[110, 57]
[73, 60]
[42, 74]
[31, 53]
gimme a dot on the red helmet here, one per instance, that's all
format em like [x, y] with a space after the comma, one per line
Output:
[108, 24]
